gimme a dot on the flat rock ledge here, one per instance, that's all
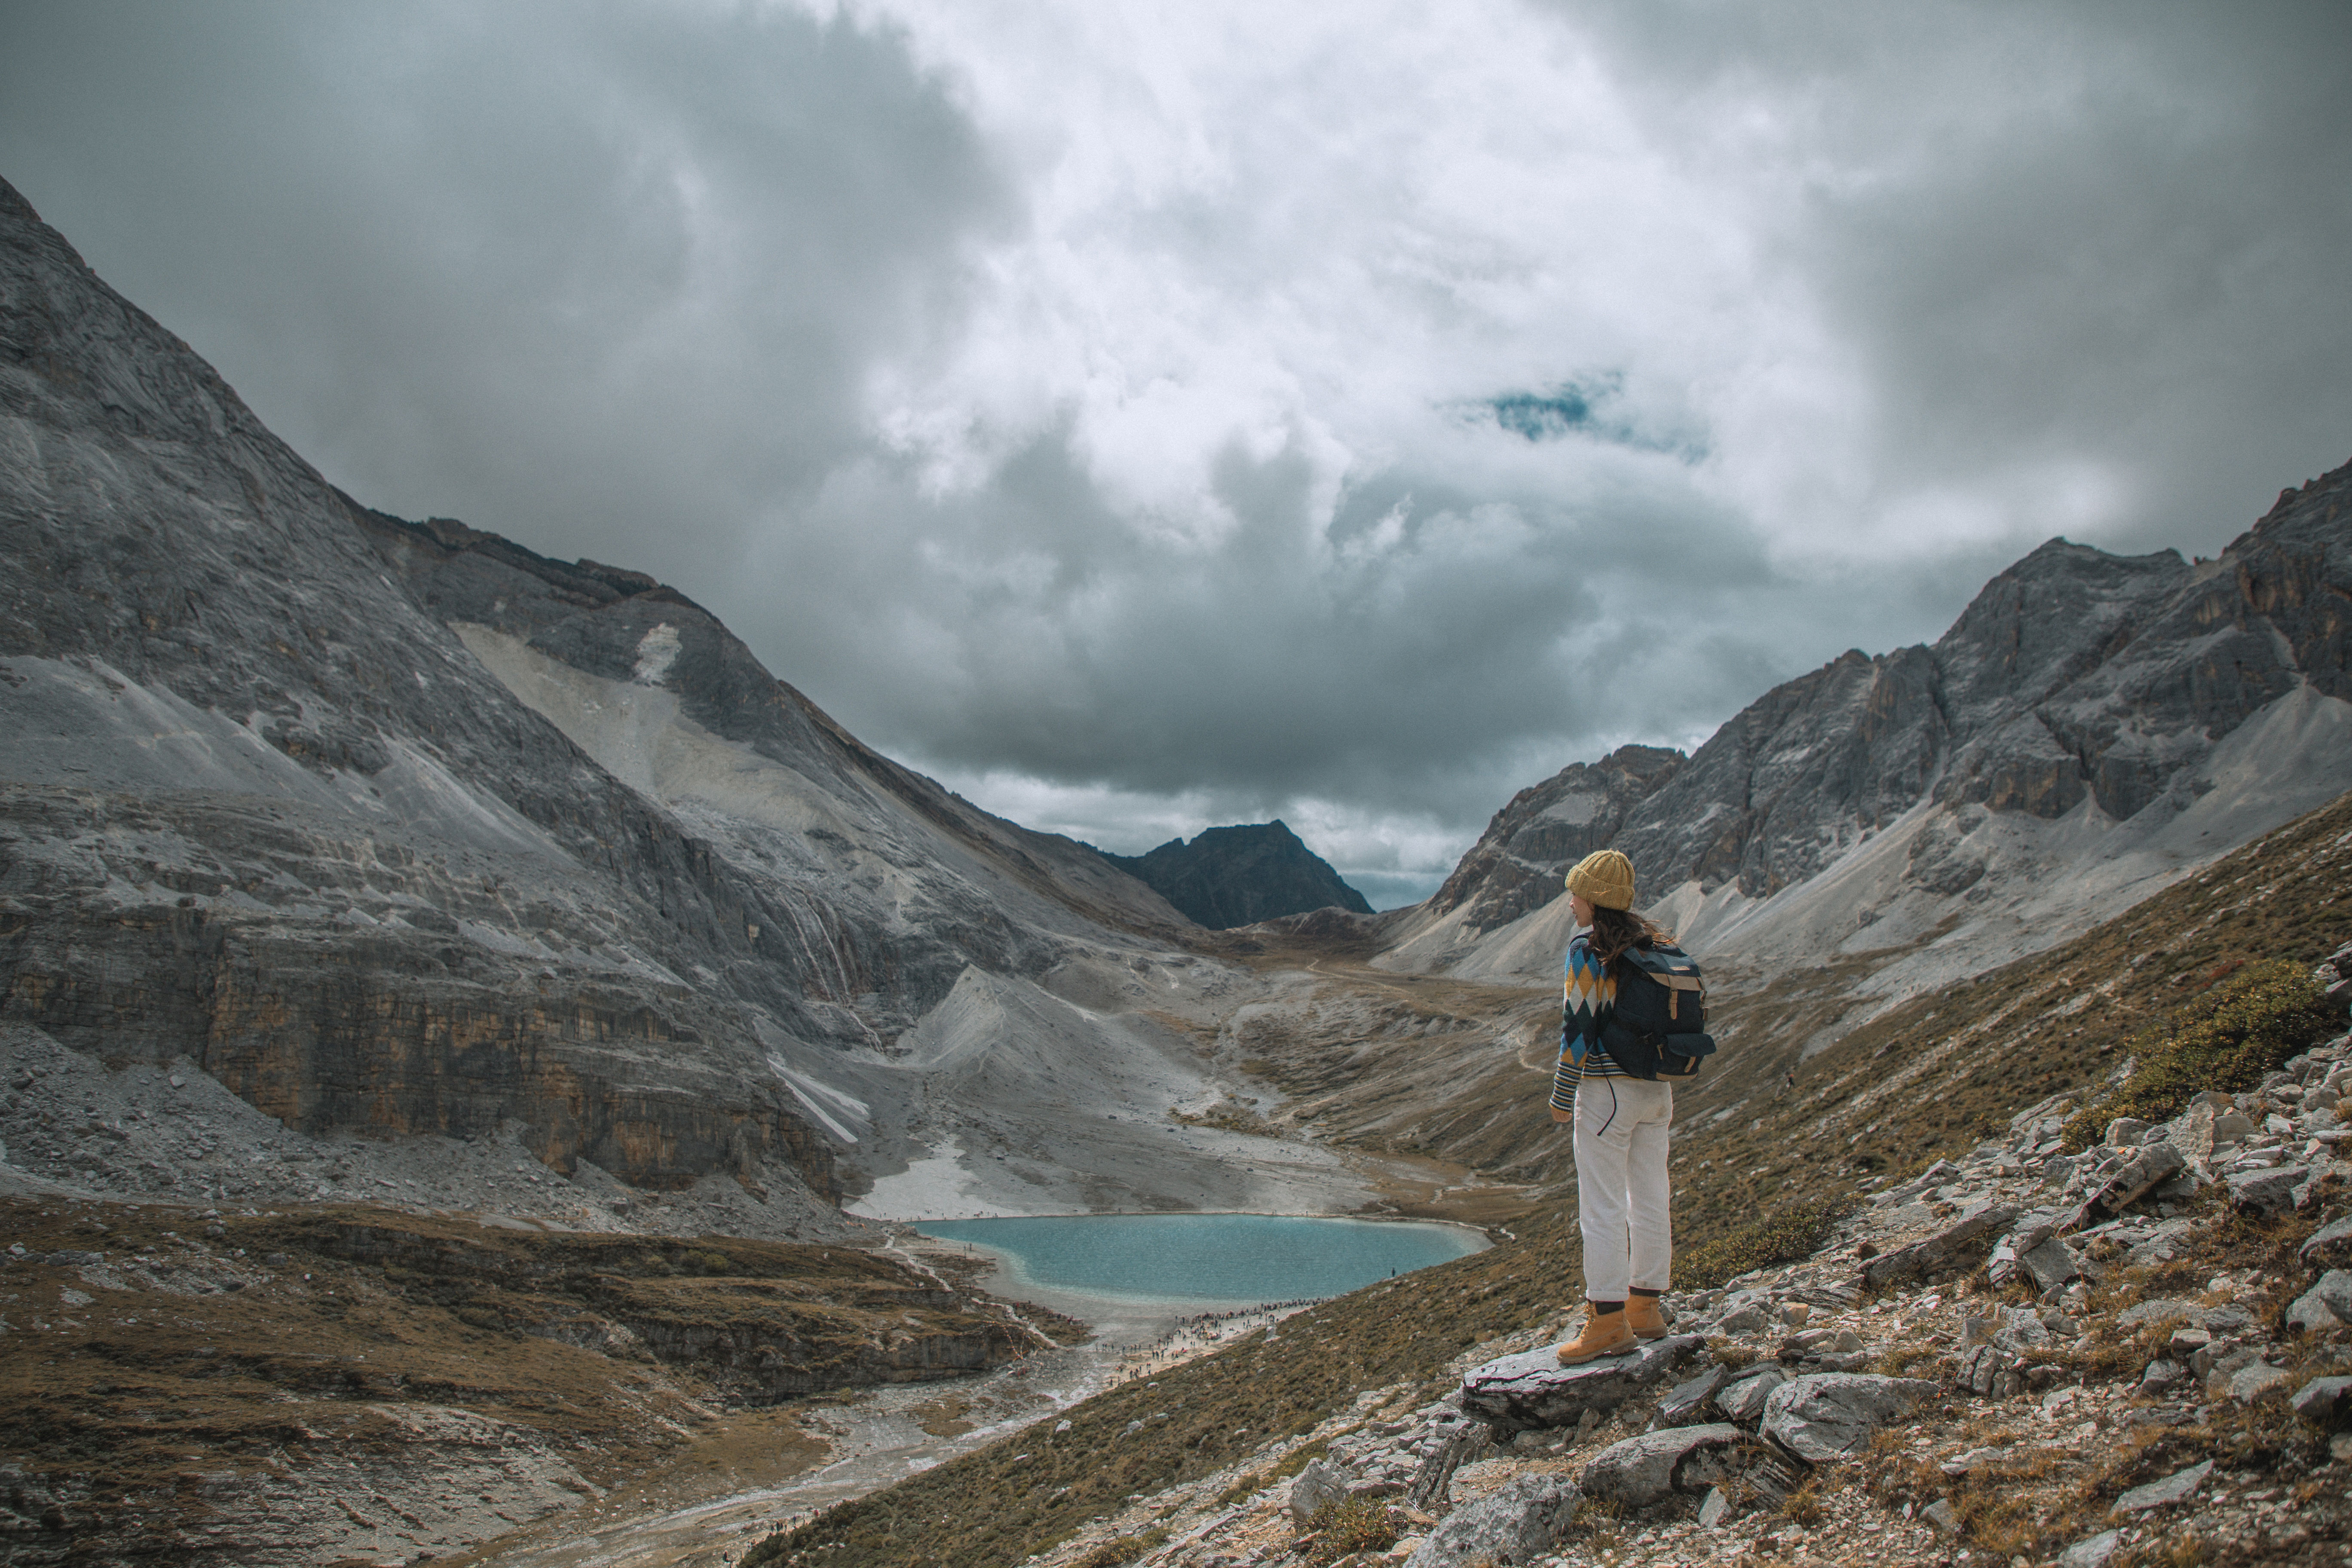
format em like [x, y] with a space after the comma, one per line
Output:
[1529, 1390]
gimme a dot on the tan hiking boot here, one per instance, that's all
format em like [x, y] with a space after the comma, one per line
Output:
[1642, 1316]
[1604, 1333]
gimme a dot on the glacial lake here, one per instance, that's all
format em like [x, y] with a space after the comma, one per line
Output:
[1223, 1259]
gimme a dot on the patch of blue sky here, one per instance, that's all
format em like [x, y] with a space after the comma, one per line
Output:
[1593, 406]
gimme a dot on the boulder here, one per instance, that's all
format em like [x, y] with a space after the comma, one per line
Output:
[2050, 1265]
[1687, 1404]
[1318, 1483]
[1948, 1249]
[2091, 1551]
[1521, 1521]
[1742, 1399]
[2178, 1487]
[2129, 1183]
[2330, 1246]
[1646, 1470]
[2265, 1192]
[2327, 1400]
[1988, 1370]
[1518, 1392]
[1830, 1415]
[2228, 1320]
[1744, 1319]
[2250, 1382]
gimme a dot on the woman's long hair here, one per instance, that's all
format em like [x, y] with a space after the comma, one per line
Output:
[1614, 930]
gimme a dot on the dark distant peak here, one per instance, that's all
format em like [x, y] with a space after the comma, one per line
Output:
[1238, 876]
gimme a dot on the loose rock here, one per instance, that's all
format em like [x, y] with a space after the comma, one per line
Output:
[2177, 1487]
[1515, 1525]
[2325, 1399]
[1829, 1416]
[1643, 1470]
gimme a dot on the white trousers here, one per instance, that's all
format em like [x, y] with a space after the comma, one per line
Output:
[1623, 1205]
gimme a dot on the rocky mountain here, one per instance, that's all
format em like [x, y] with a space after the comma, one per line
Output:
[2090, 728]
[403, 830]
[1230, 876]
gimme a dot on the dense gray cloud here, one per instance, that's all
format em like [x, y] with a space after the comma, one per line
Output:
[1146, 419]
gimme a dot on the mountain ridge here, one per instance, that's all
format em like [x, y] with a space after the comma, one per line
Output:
[1238, 876]
[2079, 705]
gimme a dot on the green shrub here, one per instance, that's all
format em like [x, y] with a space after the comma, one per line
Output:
[2224, 1040]
[1122, 1549]
[708, 1261]
[1348, 1524]
[1784, 1236]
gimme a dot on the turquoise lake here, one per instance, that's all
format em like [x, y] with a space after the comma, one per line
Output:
[1227, 1259]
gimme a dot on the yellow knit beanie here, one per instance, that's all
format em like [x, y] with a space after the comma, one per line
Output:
[1604, 878]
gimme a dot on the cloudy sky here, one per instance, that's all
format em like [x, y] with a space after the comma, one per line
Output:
[1147, 416]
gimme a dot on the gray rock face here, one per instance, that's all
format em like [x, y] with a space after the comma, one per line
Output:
[1643, 1470]
[1519, 862]
[1533, 1390]
[2075, 676]
[404, 828]
[1830, 1415]
[1517, 1523]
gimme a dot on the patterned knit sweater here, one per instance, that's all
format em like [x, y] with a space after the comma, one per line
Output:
[1588, 1000]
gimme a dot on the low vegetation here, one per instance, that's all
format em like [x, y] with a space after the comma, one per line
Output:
[1782, 1235]
[2243, 1026]
[1349, 1525]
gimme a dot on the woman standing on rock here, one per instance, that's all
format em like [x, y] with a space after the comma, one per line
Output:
[1621, 1123]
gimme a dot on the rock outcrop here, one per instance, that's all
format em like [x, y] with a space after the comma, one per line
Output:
[1229, 877]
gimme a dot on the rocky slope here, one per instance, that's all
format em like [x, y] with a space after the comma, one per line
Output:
[403, 830]
[2089, 729]
[2132, 1352]
[1229, 877]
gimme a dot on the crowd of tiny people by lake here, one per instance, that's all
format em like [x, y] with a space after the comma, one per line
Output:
[1189, 1337]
